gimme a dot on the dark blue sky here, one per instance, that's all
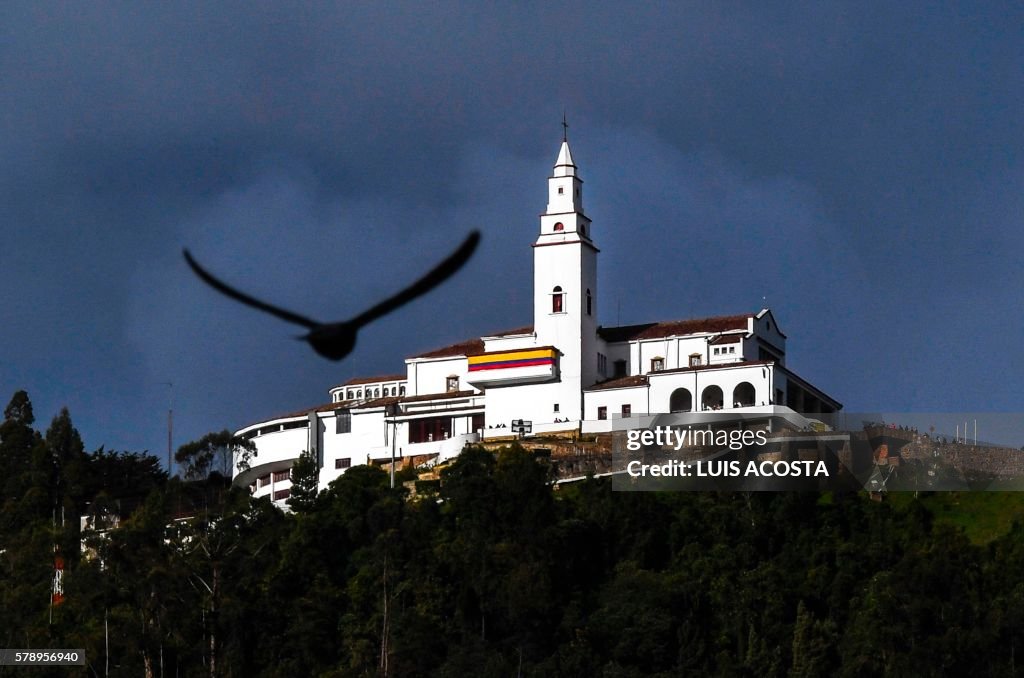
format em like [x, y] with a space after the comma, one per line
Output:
[856, 165]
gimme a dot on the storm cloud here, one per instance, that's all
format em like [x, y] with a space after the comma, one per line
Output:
[857, 168]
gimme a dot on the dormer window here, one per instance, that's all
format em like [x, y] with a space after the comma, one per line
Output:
[559, 226]
[657, 364]
[557, 300]
[695, 360]
[452, 383]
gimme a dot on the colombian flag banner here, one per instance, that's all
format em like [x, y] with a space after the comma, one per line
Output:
[509, 359]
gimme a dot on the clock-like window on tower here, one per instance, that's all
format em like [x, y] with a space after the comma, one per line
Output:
[590, 303]
[557, 300]
[559, 226]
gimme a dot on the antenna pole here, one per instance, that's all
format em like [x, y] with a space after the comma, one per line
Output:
[170, 423]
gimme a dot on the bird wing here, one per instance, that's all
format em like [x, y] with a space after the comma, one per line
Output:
[435, 277]
[245, 298]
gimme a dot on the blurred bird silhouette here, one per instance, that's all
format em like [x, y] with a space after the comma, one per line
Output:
[336, 340]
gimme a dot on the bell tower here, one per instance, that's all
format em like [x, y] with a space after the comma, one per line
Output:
[565, 283]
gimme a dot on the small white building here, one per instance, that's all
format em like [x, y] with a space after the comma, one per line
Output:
[563, 373]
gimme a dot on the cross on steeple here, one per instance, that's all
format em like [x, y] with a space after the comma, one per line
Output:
[565, 128]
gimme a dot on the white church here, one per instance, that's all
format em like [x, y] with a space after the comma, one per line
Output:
[563, 374]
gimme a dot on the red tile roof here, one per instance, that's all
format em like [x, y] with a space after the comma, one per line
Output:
[377, 402]
[526, 329]
[439, 396]
[370, 380]
[716, 366]
[672, 328]
[302, 413]
[470, 346]
[621, 382]
[726, 339]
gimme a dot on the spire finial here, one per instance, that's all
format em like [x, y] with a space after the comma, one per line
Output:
[565, 127]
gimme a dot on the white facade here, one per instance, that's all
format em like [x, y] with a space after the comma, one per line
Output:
[563, 373]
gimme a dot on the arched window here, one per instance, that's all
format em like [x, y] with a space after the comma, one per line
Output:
[681, 400]
[712, 398]
[557, 300]
[590, 303]
[401, 390]
[743, 395]
[559, 226]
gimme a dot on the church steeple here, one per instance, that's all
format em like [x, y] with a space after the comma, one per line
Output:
[565, 285]
[564, 215]
[564, 166]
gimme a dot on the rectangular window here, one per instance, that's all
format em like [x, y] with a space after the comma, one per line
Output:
[556, 303]
[280, 475]
[265, 480]
[627, 410]
[602, 364]
[695, 360]
[602, 413]
[282, 494]
[556, 407]
[343, 421]
[430, 429]
[732, 349]
[452, 384]
[657, 364]
[343, 463]
[478, 422]
[620, 368]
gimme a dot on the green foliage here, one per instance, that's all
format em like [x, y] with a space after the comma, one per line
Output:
[305, 476]
[493, 574]
[213, 453]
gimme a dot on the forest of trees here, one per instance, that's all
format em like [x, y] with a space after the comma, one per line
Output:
[493, 573]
